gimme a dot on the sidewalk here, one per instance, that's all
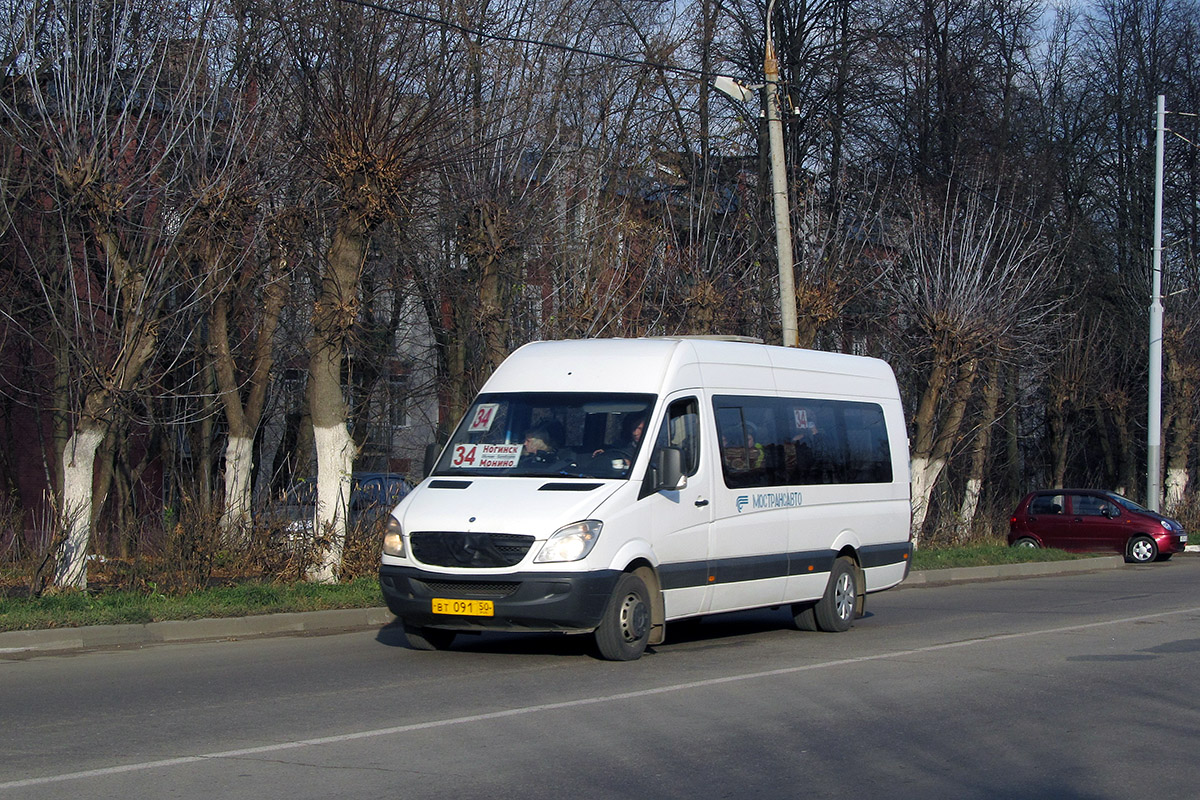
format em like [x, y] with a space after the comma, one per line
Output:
[59, 640]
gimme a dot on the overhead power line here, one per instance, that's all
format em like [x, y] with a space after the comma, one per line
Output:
[497, 37]
[1179, 135]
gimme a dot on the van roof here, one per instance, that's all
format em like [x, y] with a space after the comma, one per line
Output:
[650, 365]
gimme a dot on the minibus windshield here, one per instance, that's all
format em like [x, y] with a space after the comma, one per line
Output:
[549, 434]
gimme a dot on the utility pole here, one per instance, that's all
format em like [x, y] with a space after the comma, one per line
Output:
[779, 191]
[779, 184]
[1154, 421]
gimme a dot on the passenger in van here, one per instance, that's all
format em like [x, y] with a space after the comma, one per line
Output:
[804, 469]
[756, 455]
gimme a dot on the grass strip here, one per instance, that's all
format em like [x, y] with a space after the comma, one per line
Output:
[76, 609]
[987, 555]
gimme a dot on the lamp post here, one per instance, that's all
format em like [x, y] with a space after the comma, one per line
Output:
[779, 191]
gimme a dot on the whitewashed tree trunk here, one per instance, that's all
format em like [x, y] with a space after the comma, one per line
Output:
[1177, 481]
[925, 472]
[335, 465]
[970, 506]
[979, 454]
[239, 463]
[78, 468]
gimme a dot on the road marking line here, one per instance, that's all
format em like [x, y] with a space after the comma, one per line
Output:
[585, 701]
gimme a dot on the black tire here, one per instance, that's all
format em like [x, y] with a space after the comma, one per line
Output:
[427, 638]
[1027, 541]
[836, 610]
[624, 631]
[804, 616]
[1141, 550]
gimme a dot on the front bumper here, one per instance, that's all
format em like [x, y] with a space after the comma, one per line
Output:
[523, 601]
[1169, 543]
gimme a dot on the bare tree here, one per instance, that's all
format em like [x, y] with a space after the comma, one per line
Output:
[102, 106]
[971, 273]
[368, 117]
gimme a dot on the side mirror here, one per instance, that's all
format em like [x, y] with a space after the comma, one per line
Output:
[432, 451]
[669, 469]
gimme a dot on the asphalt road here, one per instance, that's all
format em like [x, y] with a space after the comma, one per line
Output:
[1068, 687]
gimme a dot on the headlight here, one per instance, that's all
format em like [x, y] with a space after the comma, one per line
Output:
[393, 538]
[1165, 524]
[570, 542]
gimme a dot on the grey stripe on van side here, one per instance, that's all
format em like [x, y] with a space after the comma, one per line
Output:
[683, 574]
[881, 555]
[687, 574]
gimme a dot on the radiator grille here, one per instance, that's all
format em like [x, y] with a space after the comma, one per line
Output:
[457, 549]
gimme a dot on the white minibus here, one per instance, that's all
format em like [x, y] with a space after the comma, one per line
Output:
[612, 486]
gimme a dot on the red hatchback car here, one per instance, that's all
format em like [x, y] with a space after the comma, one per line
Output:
[1087, 520]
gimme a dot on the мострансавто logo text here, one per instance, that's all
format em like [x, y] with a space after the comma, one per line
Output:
[763, 501]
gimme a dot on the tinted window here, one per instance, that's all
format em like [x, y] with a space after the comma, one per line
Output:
[766, 441]
[1088, 505]
[1046, 504]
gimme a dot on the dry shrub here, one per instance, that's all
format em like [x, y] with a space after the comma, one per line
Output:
[364, 545]
[192, 549]
[1187, 512]
[989, 527]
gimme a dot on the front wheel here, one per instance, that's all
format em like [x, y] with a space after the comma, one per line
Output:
[1141, 550]
[624, 631]
[835, 611]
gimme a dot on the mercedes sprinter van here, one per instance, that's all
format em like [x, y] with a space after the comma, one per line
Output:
[612, 486]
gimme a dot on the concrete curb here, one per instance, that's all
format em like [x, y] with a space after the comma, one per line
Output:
[59, 640]
[941, 577]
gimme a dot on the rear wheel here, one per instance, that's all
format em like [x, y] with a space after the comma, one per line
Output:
[1141, 550]
[624, 631]
[1027, 542]
[834, 612]
[427, 638]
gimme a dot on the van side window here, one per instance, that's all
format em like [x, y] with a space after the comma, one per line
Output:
[767, 441]
[681, 428]
[732, 433]
[870, 457]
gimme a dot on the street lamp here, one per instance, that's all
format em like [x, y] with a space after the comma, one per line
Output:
[783, 223]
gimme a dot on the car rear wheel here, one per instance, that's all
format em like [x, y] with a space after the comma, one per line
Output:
[1141, 550]
[1027, 542]
[427, 638]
